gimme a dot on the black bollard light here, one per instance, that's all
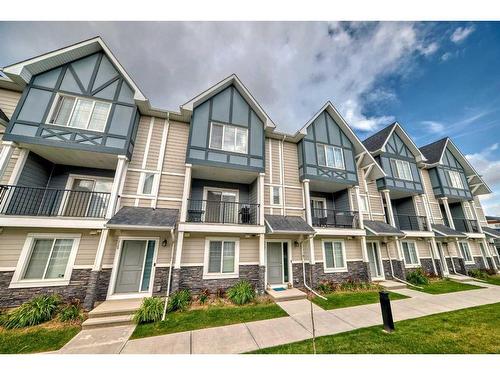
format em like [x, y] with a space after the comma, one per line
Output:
[385, 305]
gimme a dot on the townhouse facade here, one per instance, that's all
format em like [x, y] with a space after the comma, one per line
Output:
[104, 197]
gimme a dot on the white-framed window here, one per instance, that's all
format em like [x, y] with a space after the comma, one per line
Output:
[221, 258]
[146, 183]
[86, 196]
[334, 258]
[363, 203]
[81, 113]
[402, 169]
[465, 251]
[228, 138]
[46, 260]
[276, 195]
[318, 207]
[330, 156]
[467, 211]
[410, 253]
[455, 180]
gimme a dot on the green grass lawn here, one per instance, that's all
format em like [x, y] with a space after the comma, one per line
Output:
[445, 286]
[36, 339]
[495, 280]
[212, 316]
[473, 330]
[338, 300]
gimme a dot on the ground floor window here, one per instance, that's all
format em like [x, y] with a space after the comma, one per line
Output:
[46, 259]
[465, 251]
[221, 257]
[334, 256]
[410, 253]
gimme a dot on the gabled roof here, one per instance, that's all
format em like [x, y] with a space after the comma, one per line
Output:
[144, 218]
[22, 72]
[220, 86]
[359, 149]
[379, 228]
[444, 231]
[280, 224]
[495, 233]
[436, 151]
[376, 143]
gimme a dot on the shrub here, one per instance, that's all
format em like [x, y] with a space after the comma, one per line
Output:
[71, 311]
[151, 310]
[37, 310]
[324, 287]
[204, 295]
[241, 293]
[179, 300]
[478, 274]
[417, 277]
[220, 293]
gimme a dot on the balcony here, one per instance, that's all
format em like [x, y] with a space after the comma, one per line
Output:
[39, 201]
[222, 212]
[466, 225]
[325, 218]
[411, 222]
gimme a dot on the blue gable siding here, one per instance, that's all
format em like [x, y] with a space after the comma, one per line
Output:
[93, 77]
[440, 180]
[227, 107]
[395, 149]
[324, 130]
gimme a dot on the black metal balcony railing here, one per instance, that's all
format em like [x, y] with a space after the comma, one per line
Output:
[334, 218]
[39, 201]
[466, 225]
[411, 222]
[206, 211]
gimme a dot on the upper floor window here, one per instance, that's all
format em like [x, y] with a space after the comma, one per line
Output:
[402, 169]
[229, 138]
[455, 180]
[276, 195]
[363, 203]
[147, 183]
[330, 156]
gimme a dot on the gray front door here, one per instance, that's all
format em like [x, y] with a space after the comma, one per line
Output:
[131, 265]
[444, 265]
[274, 263]
[374, 260]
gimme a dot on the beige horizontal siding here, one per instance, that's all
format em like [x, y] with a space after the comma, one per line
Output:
[291, 164]
[8, 101]
[480, 211]
[295, 212]
[140, 142]
[352, 248]
[171, 186]
[294, 198]
[131, 183]
[168, 204]
[249, 250]
[175, 154]
[433, 202]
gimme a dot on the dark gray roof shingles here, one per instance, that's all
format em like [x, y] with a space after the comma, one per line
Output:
[145, 217]
[377, 140]
[491, 231]
[292, 224]
[445, 231]
[433, 151]
[379, 227]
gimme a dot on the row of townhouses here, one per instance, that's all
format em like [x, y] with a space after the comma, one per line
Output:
[104, 197]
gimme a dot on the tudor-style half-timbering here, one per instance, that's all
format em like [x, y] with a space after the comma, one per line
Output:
[226, 132]
[84, 105]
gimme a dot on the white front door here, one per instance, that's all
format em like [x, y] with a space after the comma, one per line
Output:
[277, 266]
[375, 261]
[442, 258]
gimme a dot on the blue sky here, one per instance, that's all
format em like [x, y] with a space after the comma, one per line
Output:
[436, 79]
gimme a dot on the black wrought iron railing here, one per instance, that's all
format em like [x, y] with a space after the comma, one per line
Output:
[334, 218]
[39, 201]
[466, 225]
[206, 211]
[411, 222]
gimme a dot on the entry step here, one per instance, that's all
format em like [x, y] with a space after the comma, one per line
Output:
[116, 308]
[391, 285]
[108, 321]
[456, 277]
[282, 294]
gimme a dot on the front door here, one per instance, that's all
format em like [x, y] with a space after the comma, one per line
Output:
[444, 265]
[277, 263]
[375, 261]
[135, 266]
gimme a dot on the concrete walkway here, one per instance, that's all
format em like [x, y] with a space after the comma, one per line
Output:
[239, 338]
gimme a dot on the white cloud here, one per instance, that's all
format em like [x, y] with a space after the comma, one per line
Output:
[461, 33]
[489, 167]
[446, 56]
[292, 68]
[434, 127]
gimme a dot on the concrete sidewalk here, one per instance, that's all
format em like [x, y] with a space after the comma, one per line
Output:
[240, 338]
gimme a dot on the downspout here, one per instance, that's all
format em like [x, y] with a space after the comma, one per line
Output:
[169, 274]
[304, 268]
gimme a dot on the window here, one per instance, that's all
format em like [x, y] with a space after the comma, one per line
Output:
[410, 253]
[148, 180]
[455, 180]
[467, 211]
[330, 156]
[466, 254]
[276, 195]
[334, 256]
[221, 258]
[46, 260]
[80, 113]
[86, 196]
[363, 203]
[229, 138]
[402, 169]
[318, 207]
